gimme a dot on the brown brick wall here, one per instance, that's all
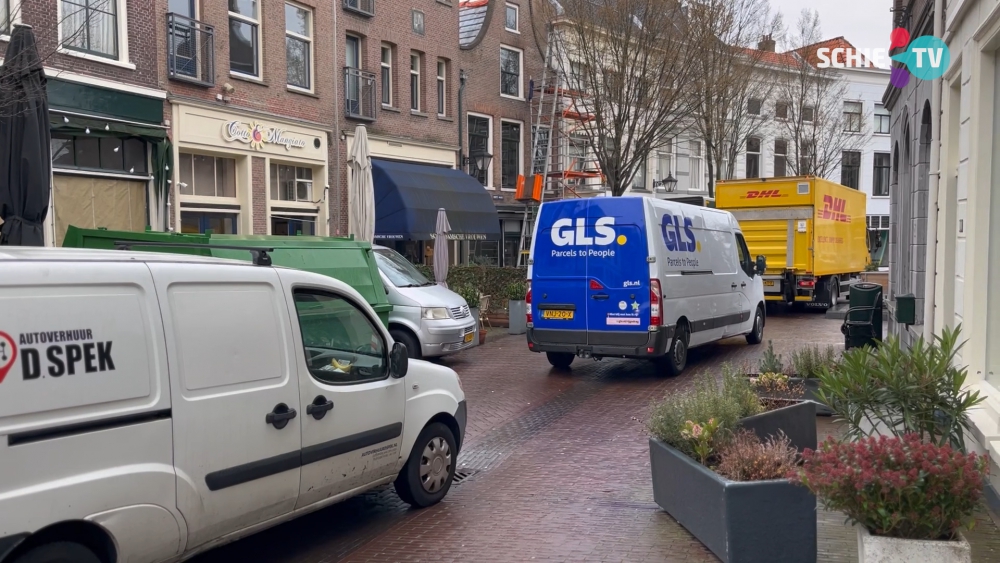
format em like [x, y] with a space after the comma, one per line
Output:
[259, 194]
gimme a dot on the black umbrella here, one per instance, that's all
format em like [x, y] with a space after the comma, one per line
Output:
[25, 154]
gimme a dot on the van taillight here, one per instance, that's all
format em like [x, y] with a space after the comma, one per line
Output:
[527, 303]
[655, 317]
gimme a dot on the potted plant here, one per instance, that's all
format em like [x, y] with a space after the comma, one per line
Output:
[723, 483]
[516, 308]
[782, 409]
[807, 364]
[909, 499]
[471, 296]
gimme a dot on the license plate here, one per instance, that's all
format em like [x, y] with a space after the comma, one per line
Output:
[468, 337]
[557, 314]
[768, 283]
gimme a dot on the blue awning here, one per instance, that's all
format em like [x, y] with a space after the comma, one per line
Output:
[408, 196]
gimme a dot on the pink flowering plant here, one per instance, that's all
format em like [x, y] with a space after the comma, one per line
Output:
[901, 486]
[701, 437]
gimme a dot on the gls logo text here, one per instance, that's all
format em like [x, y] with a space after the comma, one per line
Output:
[672, 226]
[564, 233]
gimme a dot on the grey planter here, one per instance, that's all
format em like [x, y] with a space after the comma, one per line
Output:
[516, 312]
[812, 385]
[797, 421]
[740, 522]
[475, 315]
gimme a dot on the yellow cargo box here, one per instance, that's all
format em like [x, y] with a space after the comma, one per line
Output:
[812, 232]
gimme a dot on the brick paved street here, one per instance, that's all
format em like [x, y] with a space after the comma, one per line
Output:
[561, 471]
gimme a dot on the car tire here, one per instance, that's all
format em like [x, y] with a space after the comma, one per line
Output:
[834, 293]
[435, 450]
[412, 345]
[59, 552]
[675, 359]
[756, 334]
[560, 360]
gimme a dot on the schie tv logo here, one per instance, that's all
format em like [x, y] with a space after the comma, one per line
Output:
[565, 233]
[833, 208]
[926, 57]
[678, 234]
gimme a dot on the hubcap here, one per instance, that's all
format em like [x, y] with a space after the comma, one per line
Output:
[680, 351]
[435, 465]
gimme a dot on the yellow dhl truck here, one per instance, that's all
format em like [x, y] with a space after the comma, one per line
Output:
[811, 231]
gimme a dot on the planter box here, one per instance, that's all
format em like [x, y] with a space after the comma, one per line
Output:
[498, 320]
[797, 421]
[740, 522]
[517, 317]
[879, 549]
[812, 385]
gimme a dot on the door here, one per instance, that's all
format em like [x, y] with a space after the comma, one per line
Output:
[353, 82]
[352, 422]
[746, 288]
[183, 38]
[559, 274]
[235, 396]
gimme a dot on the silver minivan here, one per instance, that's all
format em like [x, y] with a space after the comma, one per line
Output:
[429, 319]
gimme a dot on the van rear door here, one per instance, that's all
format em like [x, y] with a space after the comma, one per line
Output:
[618, 272]
[559, 274]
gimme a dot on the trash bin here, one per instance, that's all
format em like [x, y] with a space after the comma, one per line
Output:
[863, 321]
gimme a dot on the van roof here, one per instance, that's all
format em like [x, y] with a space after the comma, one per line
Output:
[48, 254]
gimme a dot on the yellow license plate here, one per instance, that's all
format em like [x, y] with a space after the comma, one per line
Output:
[468, 337]
[768, 283]
[557, 314]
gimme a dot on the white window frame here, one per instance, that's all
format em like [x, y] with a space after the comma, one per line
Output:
[295, 166]
[880, 111]
[520, 151]
[123, 54]
[520, 73]
[489, 145]
[309, 42]
[777, 155]
[696, 179]
[759, 153]
[442, 87]
[15, 18]
[861, 116]
[665, 153]
[260, 43]
[517, 18]
[642, 172]
[415, 74]
[386, 66]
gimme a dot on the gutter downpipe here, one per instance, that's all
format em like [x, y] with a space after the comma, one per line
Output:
[461, 120]
[933, 187]
[335, 139]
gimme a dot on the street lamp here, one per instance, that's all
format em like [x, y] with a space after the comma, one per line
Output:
[480, 161]
[669, 184]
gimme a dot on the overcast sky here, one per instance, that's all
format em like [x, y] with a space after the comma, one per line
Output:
[865, 23]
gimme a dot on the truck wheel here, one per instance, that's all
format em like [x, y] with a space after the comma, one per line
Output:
[411, 343]
[756, 335]
[834, 292]
[428, 473]
[560, 360]
[677, 356]
[59, 552]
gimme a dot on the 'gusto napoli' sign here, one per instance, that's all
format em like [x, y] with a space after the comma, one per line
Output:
[256, 134]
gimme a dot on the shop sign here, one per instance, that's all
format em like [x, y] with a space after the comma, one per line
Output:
[462, 236]
[257, 134]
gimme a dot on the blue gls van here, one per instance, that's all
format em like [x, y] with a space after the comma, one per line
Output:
[637, 277]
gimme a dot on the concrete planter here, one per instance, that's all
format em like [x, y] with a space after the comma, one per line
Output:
[812, 385]
[879, 549]
[516, 313]
[474, 311]
[797, 421]
[740, 522]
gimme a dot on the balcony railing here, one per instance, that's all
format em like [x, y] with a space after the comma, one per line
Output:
[360, 94]
[363, 7]
[190, 50]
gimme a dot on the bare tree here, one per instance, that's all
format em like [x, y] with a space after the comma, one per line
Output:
[631, 58]
[729, 89]
[817, 125]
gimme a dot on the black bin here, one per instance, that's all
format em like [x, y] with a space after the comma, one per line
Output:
[863, 322]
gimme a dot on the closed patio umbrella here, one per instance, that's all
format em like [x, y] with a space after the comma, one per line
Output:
[441, 230]
[25, 154]
[361, 191]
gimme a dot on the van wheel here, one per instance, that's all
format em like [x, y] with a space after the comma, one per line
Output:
[411, 343]
[756, 335]
[677, 356]
[560, 360]
[428, 473]
[59, 552]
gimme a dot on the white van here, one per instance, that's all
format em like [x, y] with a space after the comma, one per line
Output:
[638, 277]
[153, 406]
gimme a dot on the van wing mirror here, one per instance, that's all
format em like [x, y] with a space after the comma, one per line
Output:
[399, 360]
[761, 265]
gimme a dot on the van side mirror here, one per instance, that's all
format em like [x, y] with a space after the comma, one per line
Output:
[761, 265]
[399, 360]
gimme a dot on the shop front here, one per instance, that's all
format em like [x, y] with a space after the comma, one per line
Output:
[241, 173]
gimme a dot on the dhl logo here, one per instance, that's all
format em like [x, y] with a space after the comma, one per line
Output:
[755, 194]
[833, 209]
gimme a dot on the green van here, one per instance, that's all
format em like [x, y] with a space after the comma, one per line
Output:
[344, 259]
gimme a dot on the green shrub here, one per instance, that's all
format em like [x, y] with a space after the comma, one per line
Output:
[516, 291]
[771, 362]
[469, 293]
[809, 362]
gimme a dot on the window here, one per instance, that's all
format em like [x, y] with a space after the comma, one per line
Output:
[639, 179]
[850, 169]
[207, 176]
[293, 225]
[743, 253]
[510, 154]
[807, 113]
[753, 107]
[880, 177]
[4, 17]
[694, 148]
[88, 26]
[418, 22]
[441, 88]
[244, 37]
[298, 46]
[578, 77]
[780, 158]
[576, 152]
[805, 158]
[753, 158]
[387, 75]
[510, 23]
[510, 72]
[852, 117]
[195, 222]
[479, 144]
[665, 162]
[415, 82]
[342, 345]
[540, 140]
[109, 154]
[352, 89]
[291, 183]
[881, 120]
[781, 110]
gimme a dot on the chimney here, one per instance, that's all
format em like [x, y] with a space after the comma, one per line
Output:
[766, 44]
